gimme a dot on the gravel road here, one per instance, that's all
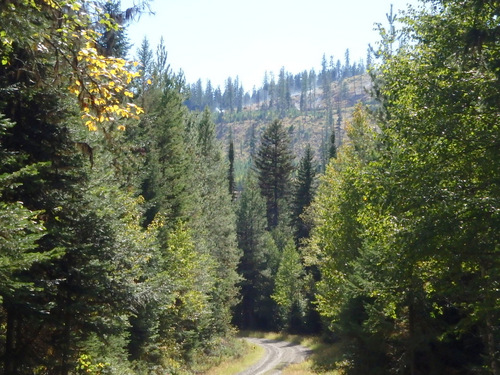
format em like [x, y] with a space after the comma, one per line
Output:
[279, 354]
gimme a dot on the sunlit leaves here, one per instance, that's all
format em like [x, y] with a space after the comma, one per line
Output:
[288, 281]
[102, 86]
[62, 33]
[421, 243]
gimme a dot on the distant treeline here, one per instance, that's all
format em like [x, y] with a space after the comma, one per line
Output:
[275, 92]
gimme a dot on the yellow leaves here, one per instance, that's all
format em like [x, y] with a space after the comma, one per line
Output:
[74, 90]
[51, 3]
[99, 83]
[91, 125]
[67, 31]
[101, 87]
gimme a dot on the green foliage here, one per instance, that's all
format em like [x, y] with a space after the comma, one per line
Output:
[165, 183]
[213, 218]
[405, 239]
[21, 228]
[289, 288]
[303, 193]
[193, 266]
[92, 273]
[259, 261]
[273, 164]
[337, 234]
[230, 172]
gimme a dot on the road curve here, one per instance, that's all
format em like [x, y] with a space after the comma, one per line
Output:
[279, 354]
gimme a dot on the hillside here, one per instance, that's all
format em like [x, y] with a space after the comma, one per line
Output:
[313, 125]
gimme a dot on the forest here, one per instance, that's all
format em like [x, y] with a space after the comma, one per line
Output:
[145, 220]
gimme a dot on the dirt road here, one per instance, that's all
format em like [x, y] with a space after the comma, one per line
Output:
[279, 354]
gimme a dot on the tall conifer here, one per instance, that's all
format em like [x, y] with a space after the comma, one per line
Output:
[303, 193]
[230, 172]
[273, 163]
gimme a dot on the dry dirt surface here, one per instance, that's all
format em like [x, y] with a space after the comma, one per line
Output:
[279, 354]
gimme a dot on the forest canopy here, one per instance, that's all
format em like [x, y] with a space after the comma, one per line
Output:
[145, 219]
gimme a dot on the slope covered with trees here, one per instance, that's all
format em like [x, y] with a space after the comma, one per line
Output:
[143, 218]
[407, 215]
[111, 258]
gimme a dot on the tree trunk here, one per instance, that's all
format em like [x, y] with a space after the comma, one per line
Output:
[411, 339]
[489, 336]
[65, 355]
[490, 345]
[9, 360]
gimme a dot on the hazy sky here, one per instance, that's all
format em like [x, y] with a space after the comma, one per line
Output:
[215, 39]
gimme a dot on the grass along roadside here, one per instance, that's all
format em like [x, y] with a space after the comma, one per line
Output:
[252, 354]
[322, 361]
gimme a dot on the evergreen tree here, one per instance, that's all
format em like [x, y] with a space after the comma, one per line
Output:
[239, 93]
[273, 94]
[273, 164]
[283, 93]
[214, 222]
[165, 187]
[145, 58]
[165, 182]
[347, 71]
[259, 261]
[265, 87]
[196, 97]
[332, 150]
[218, 98]
[208, 98]
[113, 40]
[303, 194]
[303, 91]
[230, 173]
[228, 98]
[312, 89]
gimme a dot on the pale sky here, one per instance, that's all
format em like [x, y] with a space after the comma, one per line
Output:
[215, 39]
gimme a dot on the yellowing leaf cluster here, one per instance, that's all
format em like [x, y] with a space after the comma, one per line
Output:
[101, 88]
[100, 83]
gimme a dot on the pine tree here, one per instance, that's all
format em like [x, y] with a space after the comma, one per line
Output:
[273, 94]
[303, 91]
[347, 71]
[165, 181]
[208, 97]
[230, 172]
[283, 93]
[113, 40]
[213, 221]
[332, 150]
[273, 164]
[259, 261]
[312, 89]
[228, 98]
[145, 59]
[303, 193]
